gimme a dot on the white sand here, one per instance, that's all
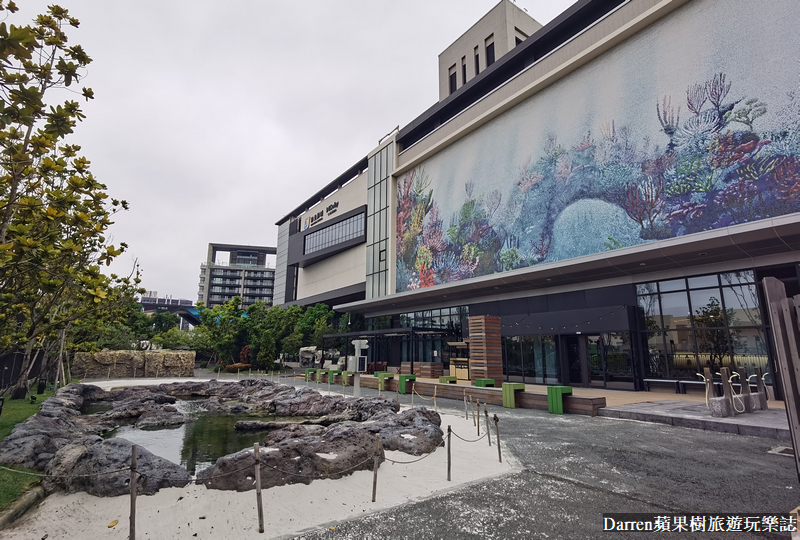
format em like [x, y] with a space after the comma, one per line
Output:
[177, 512]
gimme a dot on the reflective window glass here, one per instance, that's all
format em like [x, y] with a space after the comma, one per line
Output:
[741, 305]
[736, 278]
[707, 308]
[652, 315]
[672, 285]
[646, 288]
[703, 281]
[714, 350]
[675, 308]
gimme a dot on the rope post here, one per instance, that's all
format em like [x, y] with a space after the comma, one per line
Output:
[488, 429]
[472, 408]
[397, 394]
[466, 411]
[497, 434]
[449, 445]
[435, 406]
[329, 383]
[412, 394]
[478, 417]
[257, 455]
[237, 374]
[375, 464]
[133, 493]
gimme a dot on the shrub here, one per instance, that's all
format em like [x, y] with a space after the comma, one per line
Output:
[217, 368]
[233, 368]
[203, 365]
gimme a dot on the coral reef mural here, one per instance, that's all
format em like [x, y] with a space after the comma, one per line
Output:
[710, 161]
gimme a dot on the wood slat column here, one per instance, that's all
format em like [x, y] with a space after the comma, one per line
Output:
[486, 356]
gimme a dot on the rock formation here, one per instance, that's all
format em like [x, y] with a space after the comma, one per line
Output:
[123, 364]
[338, 439]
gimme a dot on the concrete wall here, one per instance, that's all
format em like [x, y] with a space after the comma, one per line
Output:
[690, 125]
[499, 23]
[123, 364]
[351, 196]
[335, 272]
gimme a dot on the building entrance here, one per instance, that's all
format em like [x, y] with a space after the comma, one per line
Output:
[603, 360]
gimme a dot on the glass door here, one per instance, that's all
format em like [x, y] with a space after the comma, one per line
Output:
[596, 360]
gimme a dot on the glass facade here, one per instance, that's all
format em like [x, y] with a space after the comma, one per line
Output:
[378, 199]
[709, 321]
[347, 229]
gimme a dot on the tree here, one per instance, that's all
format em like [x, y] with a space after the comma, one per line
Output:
[225, 326]
[53, 213]
[163, 321]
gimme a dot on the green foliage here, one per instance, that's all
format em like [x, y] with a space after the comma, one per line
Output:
[224, 325]
[54, 214]
[163, 321]
[293, 342]
[266, 351]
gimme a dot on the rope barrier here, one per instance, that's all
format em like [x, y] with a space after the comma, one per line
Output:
[407, 462]
[467, 440]
[42, 475]
[423, 397]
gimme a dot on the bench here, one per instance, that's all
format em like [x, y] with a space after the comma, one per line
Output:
[483, 383]
[310, 370]
[448, 379]
[555, 398]
[509, 401]
[382, 376]
[673, 382]
[333, 373]
[401, 385]
[320, 373]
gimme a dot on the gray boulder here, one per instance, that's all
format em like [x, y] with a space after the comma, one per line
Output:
[162, 418]
[414, 431]
[340, 451]
[102, 468]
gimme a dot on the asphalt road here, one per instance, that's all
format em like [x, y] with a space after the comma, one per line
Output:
[576, 468]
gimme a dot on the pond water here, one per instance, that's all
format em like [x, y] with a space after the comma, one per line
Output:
[198, 444]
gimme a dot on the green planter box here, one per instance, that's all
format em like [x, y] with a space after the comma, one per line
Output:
[509, 402]
[402, 382]
[555, 398]
[446, 379]
[483, 383]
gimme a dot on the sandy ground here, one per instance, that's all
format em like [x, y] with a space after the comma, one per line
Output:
[197, 512]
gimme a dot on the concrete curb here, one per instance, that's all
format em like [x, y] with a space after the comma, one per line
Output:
[700, 423]
[16, 509]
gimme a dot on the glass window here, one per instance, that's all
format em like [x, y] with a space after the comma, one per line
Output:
[652, 312]
[672, 285]
[646, 288]
[714, 350]
[741, 305]
[749, 349]
[681, 358]
[707, 308]
[675, 308]
[735, 278]
[703, 281]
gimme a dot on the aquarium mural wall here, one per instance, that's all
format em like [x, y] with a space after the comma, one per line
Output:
[692, 125]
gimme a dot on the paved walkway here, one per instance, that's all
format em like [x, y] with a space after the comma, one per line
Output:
[659, 406]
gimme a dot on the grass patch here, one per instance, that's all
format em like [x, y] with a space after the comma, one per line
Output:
[18, 410]
[12, 485]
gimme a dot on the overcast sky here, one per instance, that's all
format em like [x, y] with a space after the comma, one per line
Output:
[216, 119]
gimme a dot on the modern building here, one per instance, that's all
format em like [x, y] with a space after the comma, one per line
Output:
[247, 274]
[613, 186]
